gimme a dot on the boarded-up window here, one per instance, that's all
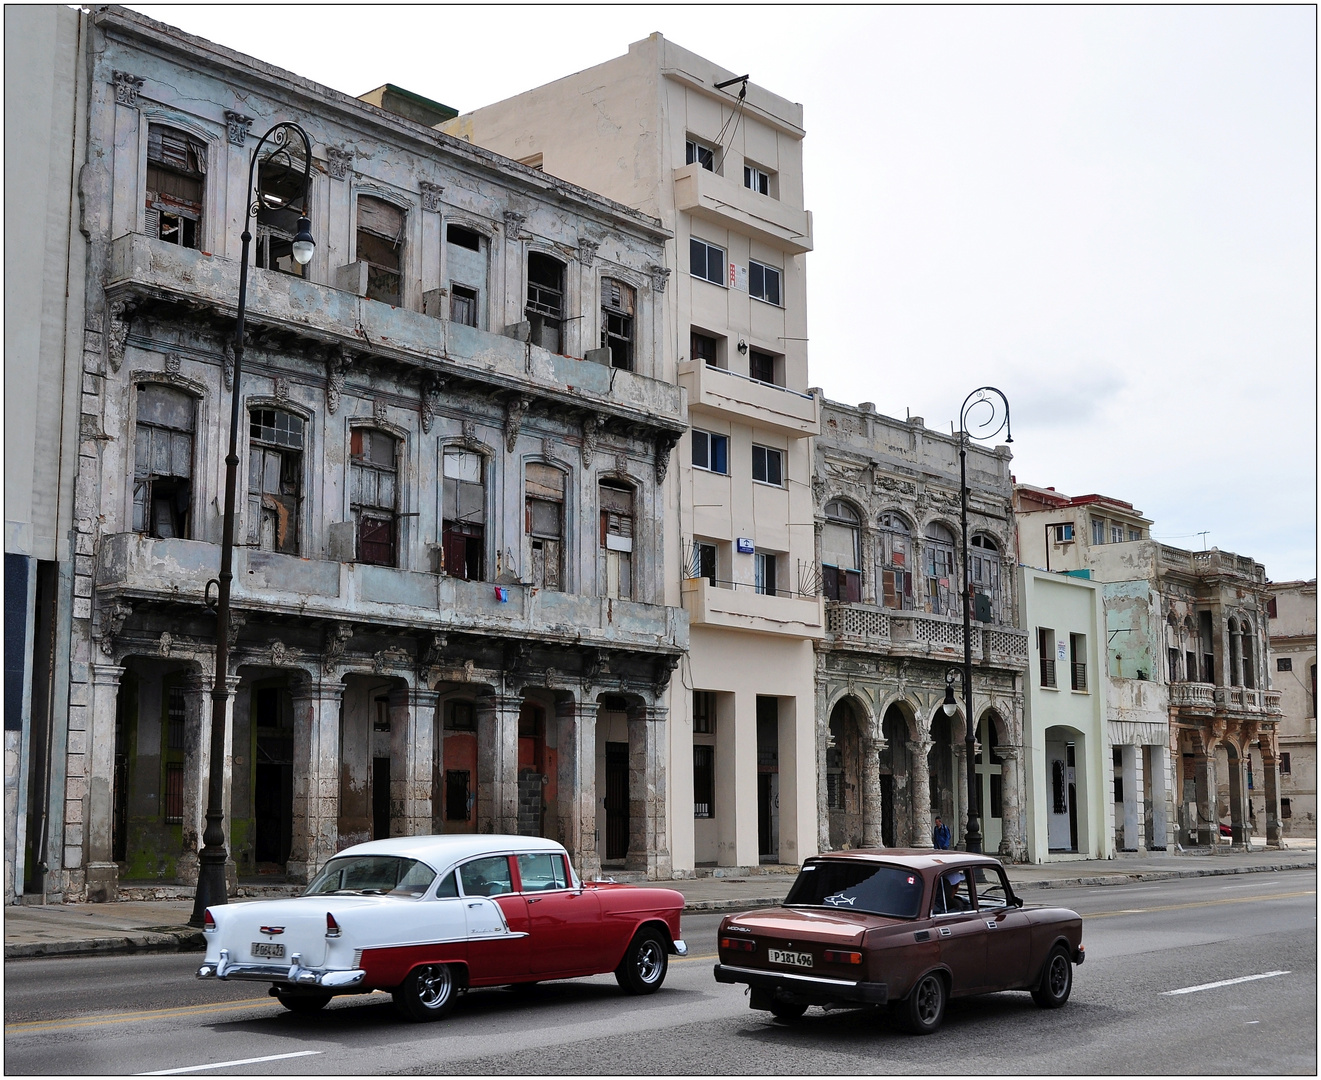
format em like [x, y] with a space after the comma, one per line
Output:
[381, 247]
[617, 539]
[544, 492]
[464, 515]
[163, 462]
[841, 563]
[617, 310]
[275, 479]
[895, 551]
[176, 186]
[373, 494]
[545, 300]
[942, 586]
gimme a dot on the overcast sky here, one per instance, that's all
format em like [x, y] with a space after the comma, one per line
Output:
[1109, 213]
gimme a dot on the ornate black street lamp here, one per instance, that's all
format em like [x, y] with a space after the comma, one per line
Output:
[995, 422]
[211, 889]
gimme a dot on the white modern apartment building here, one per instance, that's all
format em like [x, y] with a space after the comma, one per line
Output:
[718, 160]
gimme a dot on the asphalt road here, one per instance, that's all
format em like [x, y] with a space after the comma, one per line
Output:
[139, 1014]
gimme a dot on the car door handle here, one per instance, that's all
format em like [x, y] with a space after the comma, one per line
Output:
[475, 905]
[991, 924]
[534, 899]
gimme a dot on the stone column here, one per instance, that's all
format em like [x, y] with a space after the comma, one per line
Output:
[959, 839]
[1012, 823]
[1129, 775]
[577, 784]
[102, 873]
[822, 740]
[497, 763]
[648, 846]
[921, 772]
[869, 764]
[1156, 774]
[1207, 824]
[412, 728]
[316, 776]
[1270, 768]
[196, 771]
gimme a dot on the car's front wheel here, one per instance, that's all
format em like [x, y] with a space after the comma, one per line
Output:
[302, 1003]
[1056, 980]
[924, 1009]
[428, 993]
[645, 963]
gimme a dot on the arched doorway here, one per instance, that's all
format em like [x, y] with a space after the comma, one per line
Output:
[844, 776]
[896, 780]
[943, 771]
[990, 782]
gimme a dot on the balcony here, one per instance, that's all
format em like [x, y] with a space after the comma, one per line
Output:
[727, 203]
[151, 268]
[910, 633]
[1197, 698]
[743, 608]
[1205, 699]
[786, 412]
[135, 567]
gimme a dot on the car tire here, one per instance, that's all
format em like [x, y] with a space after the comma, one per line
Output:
[428, 993]
[1056, 980]
[303, 1004]
[923, 1011]
[645, 963]
[787, 1010]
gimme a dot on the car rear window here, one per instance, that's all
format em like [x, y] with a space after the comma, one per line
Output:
[858, 886]
[372, 875]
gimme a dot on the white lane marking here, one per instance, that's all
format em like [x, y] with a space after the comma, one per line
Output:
[229, 1064]
[1223, 982]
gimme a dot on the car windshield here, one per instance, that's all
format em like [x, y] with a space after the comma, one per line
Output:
[372, 875]
[858, 886]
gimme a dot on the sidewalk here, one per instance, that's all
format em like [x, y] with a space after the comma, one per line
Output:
[161, 925]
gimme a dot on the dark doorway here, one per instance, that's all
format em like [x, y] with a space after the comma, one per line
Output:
[768, 779]
[273, 775]
[616, 801]
[887, 809]
[380, 798]
[119, 824]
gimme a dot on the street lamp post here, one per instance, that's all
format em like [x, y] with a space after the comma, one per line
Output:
[995, 422]
[211, 888]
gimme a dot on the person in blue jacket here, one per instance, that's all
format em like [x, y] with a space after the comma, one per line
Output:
[941, 835]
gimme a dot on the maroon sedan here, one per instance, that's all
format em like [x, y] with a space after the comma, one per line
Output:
[904, 928]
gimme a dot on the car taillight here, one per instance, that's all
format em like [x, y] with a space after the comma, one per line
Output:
[835, 956]
[208, 921]
[332, 927]
[738, 944]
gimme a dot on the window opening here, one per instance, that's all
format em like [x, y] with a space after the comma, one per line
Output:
[163, 462]
[275, 479]
[1285, 764]
[706, 261]
[761, 366]
[984, 565]
[700, 153]
[1063, 534]
[617, 309]
[463, 541]
[705, 348]
[704, 561]
[1078, 661]
[767, 465]
[545, 300]
[704, 712]
[617, 539]
[711, 452]
[764, 283]
[373, 494]
[896, 545]
[841, 551]
[1116, 534]
[176, 185]
[465, 262]
[941, 588]
[544, 495]
[757, 180]
[704, 759]
[281, 186]
[765, 573]
[1046, 653]
[380, 246]
[1098, 531]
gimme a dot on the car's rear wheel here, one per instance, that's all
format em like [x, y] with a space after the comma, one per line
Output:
[924, 1009]
[1056, 980]
[645, 963]
[302, 1003]
[428, 993]
[787, 1010]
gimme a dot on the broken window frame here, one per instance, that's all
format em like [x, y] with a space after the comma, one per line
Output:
[385, 266]
[984, 573]
[707, 261]
[545, 300]
[769, 462]
[618, 507]
[272, 442]
[377, 519]
[841, 582]
[618, 321]
[710, 452]
[466, 291]
[163, 497]
[544, 489]
[279, 186]
[177, 160]
[895, 544]
[463, 514]
[939, 564]
[765, 283]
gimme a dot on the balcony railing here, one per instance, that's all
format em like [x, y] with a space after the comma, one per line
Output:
[909, 633]
[1190, 695]
[1208, 698]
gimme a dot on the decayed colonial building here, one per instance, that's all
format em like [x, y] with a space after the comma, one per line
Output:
[887, 518]
[456, 419]
[1292, 629]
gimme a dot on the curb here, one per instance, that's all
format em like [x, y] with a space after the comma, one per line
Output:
[186, 940]
[1158, 875]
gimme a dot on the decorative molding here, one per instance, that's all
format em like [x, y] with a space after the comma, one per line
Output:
[587, 251]
[431, 387]
[389, 657]
[237, 126]
[336, 641]
[165, 643]
[515, 410]
[282, 654]
[337, 363]
[513, 222]
[621, 464]
[282, 390]
[172, 363]
[120, 314]
[237, 621]
[431, 655]
[659, 276]
[431, 194]
[379, 410]
[112, 622]
[665, 666]
[228, 350]
[127, 88]
[338, 162]
[818, 490]
[592, 427]
[470, 439]
[664, 445]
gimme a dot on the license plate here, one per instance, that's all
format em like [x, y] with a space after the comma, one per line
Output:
[273, 949]
[796, 959]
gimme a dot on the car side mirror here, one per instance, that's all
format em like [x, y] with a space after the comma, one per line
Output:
[1017, 901]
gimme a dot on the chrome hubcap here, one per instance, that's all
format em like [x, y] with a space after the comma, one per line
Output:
[650, 959]
[434, 984]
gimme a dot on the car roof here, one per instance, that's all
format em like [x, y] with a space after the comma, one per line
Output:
[438, 852]
[911, 858]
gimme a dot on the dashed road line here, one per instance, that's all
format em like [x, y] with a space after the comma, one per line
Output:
[1222, 982]
[231, 1064]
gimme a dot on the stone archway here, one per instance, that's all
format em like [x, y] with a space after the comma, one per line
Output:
[847, 758]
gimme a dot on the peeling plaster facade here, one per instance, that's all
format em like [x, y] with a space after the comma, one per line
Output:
[1192, 716]
[444, 618]
[886, 496]
[723, 172]
[1292, 628]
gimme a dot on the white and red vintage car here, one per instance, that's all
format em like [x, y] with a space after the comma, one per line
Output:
[426, 917]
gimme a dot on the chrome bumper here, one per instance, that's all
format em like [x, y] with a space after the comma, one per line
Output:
[807, 988]
[680, 947]
[292, 974]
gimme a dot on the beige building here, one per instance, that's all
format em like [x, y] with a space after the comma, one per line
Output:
[718, 160]
[1292, 609]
